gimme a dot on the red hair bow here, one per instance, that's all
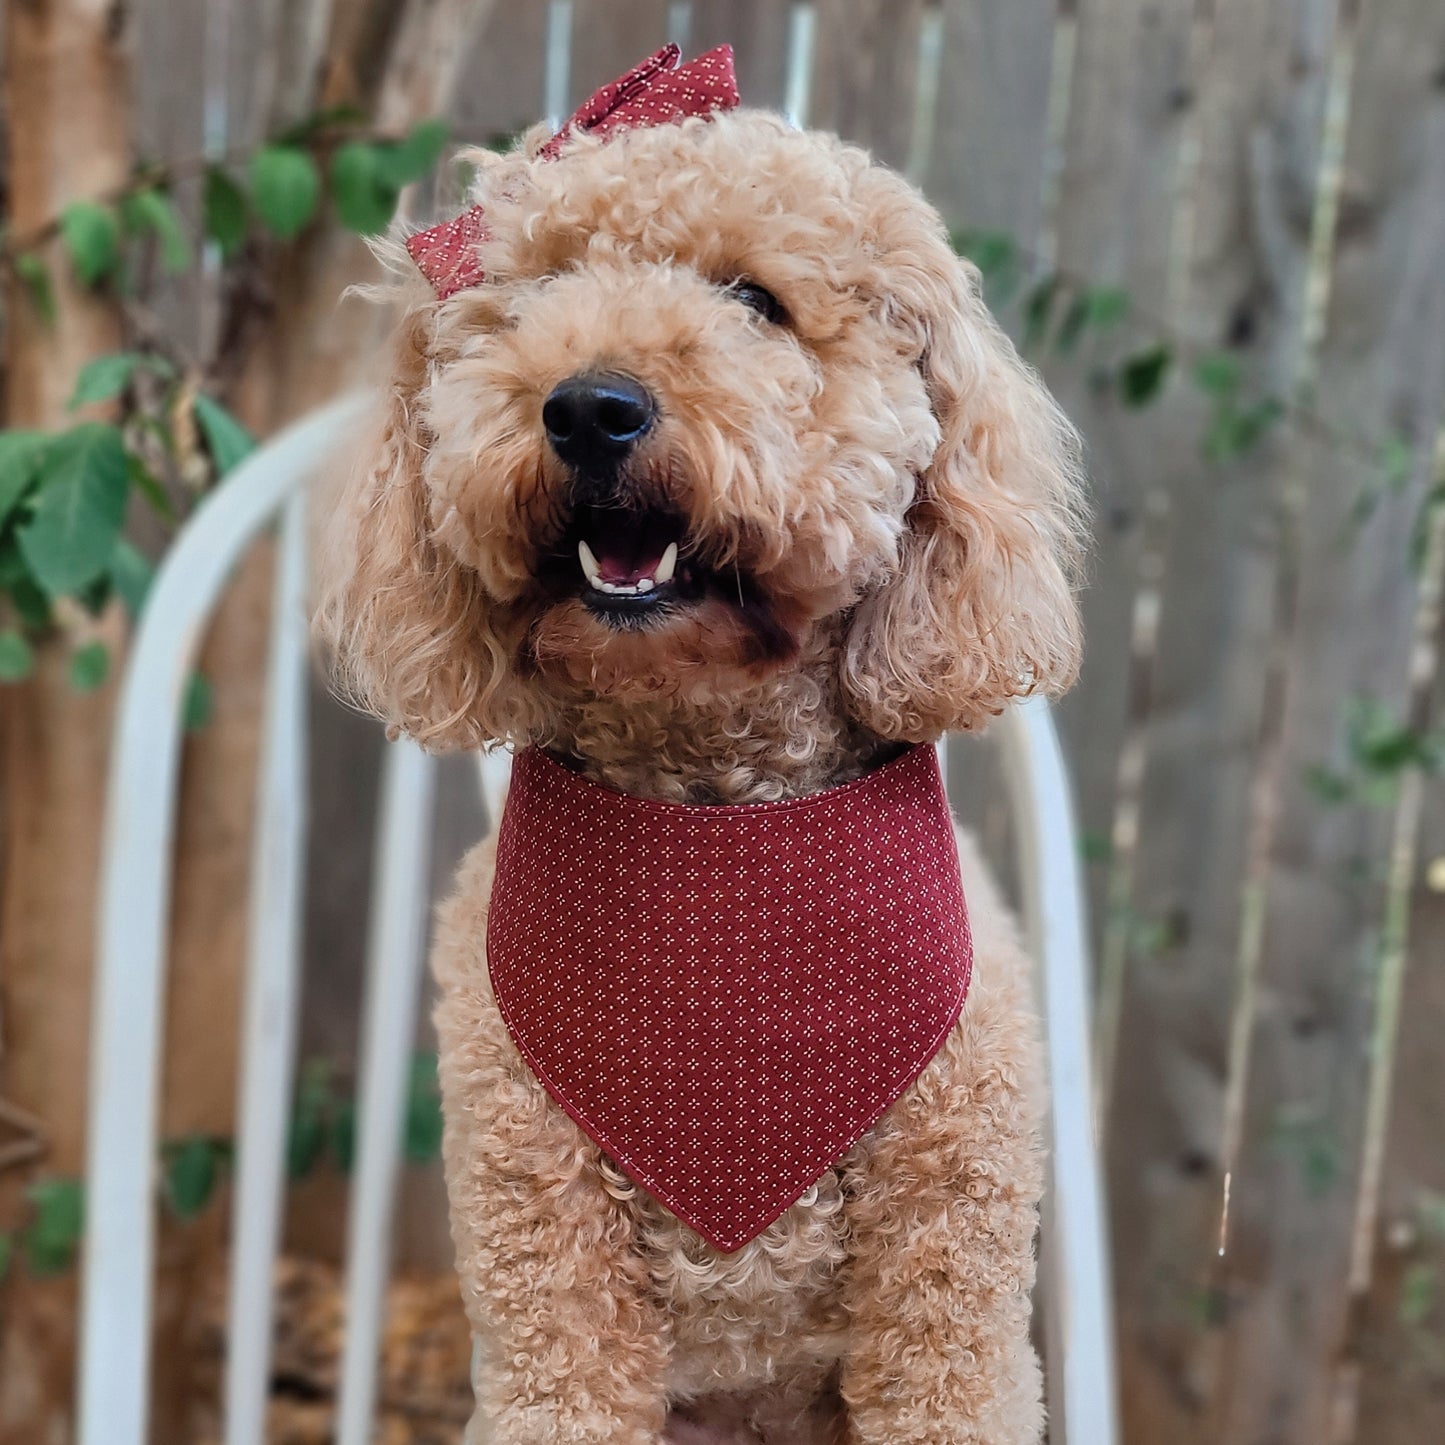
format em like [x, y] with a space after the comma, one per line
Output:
[657, 92]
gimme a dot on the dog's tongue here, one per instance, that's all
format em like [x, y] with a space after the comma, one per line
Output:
[628, 547]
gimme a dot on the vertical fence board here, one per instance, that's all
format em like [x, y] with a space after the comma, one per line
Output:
[864, 65]
[500, 89]
[1133, 108]
[987, 165]
[1113, 225]
[1205, 545]
[610, 37]
[1382, 368]
[757, 30]
[985, 171]
[1398, 1342]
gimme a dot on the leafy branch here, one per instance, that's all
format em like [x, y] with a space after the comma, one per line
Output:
[192, 1168]
[65, 496]
[278, 187]
[1060, 309]
[1379, 750]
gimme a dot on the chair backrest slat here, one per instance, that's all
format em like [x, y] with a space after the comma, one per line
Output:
[273, 973]
[396, 948]
[1079, 1357]
[132, 946]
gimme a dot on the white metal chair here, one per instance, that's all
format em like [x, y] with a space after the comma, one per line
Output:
[126, 1041]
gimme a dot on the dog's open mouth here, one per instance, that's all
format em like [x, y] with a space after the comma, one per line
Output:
[630, 558]
[631, 564]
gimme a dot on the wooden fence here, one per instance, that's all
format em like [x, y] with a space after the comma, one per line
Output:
[1220, 225]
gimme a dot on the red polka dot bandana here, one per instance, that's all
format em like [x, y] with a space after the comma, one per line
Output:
[660, 91]
[727, 998]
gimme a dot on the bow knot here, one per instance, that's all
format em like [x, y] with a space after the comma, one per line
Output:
[657, 92]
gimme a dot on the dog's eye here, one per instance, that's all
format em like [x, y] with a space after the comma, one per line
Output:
[760, 299]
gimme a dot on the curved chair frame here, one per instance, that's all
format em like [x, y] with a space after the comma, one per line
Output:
[127, 1040]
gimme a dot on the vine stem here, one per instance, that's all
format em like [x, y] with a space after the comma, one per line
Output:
[154, 177]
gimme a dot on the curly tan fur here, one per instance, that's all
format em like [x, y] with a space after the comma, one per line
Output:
[898, 500]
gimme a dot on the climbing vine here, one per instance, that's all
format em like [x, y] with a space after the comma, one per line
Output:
[163, 437]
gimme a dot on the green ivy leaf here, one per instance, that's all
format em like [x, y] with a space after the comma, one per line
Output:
[423, 1138]
[326, 118]
[149, 486]
[365, 198]
[36, 278]
[107, 376]
[307, 1136]
[190, 1173]
[405, 161]
[89, 666]
[153, 211]
[1234, 432]
[1107, 306]
[996, 255]
[54, 1235]
[20, 454]
[1039, 311]
[1327, 785]
[990, 251]
[17, 661]
[1418, 1289]
[80, 505]
[1142, 376]
[1072, 327]
[131, 575]
[1218, 374]
[92, 237]
[198, 704]
[224, 206]
[226, 439]
[285, 187]
[343, 1133]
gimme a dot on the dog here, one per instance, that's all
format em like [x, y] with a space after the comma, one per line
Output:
[781, 388]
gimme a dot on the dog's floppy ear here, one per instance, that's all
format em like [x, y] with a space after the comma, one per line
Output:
[981, 607]
[406, 622]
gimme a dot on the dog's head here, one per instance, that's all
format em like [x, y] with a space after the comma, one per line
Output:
[724, 391]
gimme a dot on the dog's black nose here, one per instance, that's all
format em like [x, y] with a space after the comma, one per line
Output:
[594, 421]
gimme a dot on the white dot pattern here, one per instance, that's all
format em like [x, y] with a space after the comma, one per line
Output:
[657, 92]
[727, 998]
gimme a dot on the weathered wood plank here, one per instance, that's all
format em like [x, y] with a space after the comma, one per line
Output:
[864, 64]
[609, 37]
[988, 152]
[500, 90]
[1163, 724]
[757, 30]
[1382, 367]
[985, 169]
[1395, 1344]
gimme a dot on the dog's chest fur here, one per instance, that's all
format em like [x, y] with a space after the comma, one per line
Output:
[765, 1310]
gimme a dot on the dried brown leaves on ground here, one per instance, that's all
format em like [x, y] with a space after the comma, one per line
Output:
[425, 1394]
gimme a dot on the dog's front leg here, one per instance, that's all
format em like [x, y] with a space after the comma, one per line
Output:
[570, 1347]
[943, 1211]
[571, 1344]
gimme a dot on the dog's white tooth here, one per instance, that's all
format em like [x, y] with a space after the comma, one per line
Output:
[667, 566]
[589, 562]
[644, 584]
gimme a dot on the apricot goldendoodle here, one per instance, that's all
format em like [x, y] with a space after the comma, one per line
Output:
[858, 515]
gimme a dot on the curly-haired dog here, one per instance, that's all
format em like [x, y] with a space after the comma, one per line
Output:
[876, 510]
